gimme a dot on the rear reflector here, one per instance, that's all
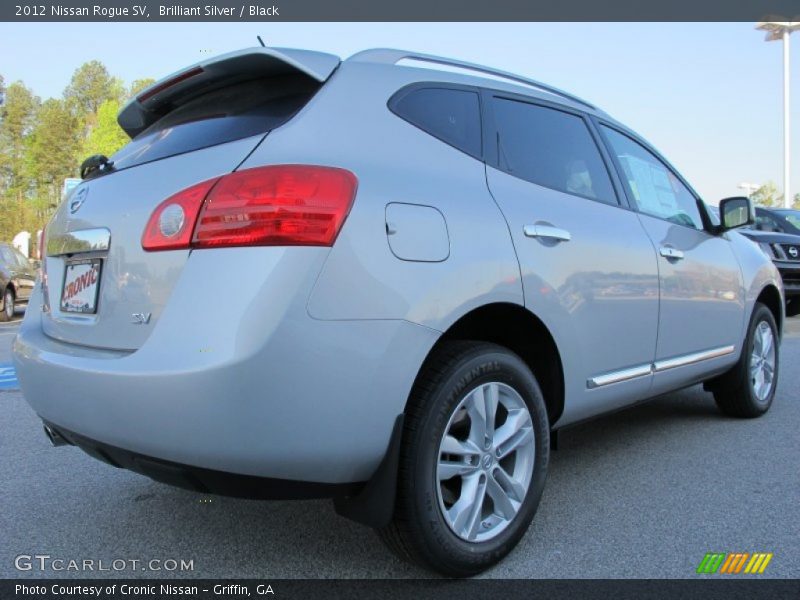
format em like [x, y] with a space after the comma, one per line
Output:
[282, 205]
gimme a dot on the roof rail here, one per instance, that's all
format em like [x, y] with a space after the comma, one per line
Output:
[392, 56]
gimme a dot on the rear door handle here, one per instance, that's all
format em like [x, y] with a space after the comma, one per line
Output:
[670, 252]
[547, 232]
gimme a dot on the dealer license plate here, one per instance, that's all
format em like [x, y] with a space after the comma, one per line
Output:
[81, 283]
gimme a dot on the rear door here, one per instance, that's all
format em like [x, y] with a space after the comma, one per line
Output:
[589, 270]
[702, 295]
[103, 290]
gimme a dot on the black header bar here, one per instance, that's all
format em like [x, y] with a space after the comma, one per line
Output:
[400, 10]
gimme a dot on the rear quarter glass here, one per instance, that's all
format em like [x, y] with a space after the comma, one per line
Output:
[219, 116]
[451, 115]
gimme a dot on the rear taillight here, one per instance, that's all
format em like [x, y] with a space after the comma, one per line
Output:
[282, 205]
[171, 225]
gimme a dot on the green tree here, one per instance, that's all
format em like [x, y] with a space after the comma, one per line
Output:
[52, 150]
[17, 115]
[139, 84]
[90, 86]
[106, 137]
[767, 195]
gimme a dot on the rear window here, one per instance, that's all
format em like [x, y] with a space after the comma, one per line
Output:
[223, 115]
[451, 115]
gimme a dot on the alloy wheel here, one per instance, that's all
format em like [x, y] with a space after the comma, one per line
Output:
[762, 361]
[486, 460]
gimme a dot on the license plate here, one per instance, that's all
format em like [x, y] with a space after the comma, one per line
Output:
[81, 283]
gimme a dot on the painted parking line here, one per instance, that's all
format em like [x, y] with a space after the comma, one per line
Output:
[8, 377]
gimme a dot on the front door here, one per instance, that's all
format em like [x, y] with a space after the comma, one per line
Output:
[702, 295]
[589, 269]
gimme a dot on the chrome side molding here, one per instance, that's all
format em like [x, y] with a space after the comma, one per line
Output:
[75, 242]
[658, 366]
[618, 376]
[695, 357]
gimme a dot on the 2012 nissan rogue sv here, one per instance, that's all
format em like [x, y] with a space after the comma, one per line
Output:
[384, 283]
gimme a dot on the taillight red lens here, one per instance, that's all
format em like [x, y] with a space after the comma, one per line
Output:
[285, 205]
[158, 236]
[281, 205]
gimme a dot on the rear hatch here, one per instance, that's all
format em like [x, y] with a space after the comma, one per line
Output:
[102, 289]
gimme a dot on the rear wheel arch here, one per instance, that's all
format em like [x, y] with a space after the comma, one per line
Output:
[521, 331]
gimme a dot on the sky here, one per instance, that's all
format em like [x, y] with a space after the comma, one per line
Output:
[707, 95]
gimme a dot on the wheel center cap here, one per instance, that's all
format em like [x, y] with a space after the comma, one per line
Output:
[487, 461]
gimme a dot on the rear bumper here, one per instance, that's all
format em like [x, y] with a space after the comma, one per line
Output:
[261, 390]
[206, 481]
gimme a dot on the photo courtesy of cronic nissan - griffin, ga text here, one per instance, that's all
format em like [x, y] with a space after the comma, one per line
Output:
[386, 280]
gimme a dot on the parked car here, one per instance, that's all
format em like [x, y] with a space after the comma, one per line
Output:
[781, 220]
[17, 276]
[776, 235]
[426, 273]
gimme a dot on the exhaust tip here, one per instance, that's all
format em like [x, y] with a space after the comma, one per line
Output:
[55, 438]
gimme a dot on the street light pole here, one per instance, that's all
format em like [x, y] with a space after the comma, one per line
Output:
[781, 30]
[787, 197]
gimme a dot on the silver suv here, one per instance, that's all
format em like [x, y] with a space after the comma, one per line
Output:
[383, 283]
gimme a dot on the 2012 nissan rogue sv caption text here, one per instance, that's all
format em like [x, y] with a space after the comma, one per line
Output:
[385, 280]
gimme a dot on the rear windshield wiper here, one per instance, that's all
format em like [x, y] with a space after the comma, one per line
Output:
[96, 165]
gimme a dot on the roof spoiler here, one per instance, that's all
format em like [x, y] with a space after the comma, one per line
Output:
[155, 101]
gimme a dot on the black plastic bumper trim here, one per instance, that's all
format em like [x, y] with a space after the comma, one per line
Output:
[206, 481]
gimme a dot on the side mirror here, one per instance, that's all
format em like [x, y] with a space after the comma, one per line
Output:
[736, 212]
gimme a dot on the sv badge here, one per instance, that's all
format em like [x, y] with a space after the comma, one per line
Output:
[140, 318]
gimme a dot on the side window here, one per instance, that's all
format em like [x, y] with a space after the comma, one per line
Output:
[8, 257]
[551, 148]
[453, 116]
[765, 222]
[656, 190]
[21, 259]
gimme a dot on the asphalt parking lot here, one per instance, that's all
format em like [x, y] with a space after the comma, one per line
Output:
[643, 493]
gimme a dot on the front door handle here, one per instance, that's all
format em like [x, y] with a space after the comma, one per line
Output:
[670, 252]
[547, 232]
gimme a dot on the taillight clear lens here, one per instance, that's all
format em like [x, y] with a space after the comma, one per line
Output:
[281, 205]
[285, 205]
[163, 232]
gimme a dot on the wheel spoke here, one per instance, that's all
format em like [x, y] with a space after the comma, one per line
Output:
[449, 469]
[514, 489]
[452, 445]
[476, 409]
[757, 341]
[519, 439]
[465, 513]
[502, 503]
[491, 398]
[769, 369]
[755, 359]
[516, 420]
[766, 344]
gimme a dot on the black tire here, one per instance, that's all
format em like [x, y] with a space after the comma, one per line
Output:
[8, 300]
[734, 392]
[419, 531]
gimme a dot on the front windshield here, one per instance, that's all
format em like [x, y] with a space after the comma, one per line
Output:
[793, 216]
